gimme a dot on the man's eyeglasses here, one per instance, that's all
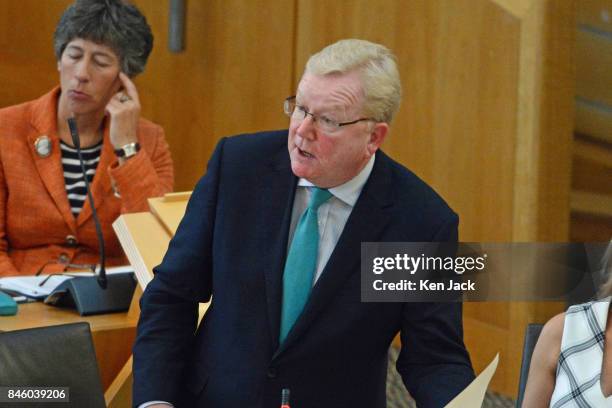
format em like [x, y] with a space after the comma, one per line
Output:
[324, 124]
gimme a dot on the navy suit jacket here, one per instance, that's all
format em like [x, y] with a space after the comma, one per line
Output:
[232, 245]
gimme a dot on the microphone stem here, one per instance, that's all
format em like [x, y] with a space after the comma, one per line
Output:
[74, 133]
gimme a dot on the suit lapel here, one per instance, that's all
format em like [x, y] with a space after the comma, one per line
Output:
[101, 182]
[367, 221]
[279, 191]
[50, 170]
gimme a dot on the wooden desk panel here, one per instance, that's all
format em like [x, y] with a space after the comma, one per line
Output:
[113, 334]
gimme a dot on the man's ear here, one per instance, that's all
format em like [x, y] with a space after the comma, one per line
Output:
[377, 136]
[59, 66]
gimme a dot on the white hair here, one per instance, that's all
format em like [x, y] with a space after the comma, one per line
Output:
[378, 69]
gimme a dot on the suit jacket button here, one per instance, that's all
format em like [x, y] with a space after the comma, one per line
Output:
[71, 241]
[64, 258]
[272, 373]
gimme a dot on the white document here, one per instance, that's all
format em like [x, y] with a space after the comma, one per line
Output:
[30, 285]
[473, 395]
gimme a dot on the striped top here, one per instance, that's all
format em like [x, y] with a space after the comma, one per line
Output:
[73, 176]
[578, 383]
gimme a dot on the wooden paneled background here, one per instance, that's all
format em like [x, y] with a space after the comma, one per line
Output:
[591, 195]
[232, 78]
[487, 116]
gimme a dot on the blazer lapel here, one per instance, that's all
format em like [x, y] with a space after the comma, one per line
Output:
[50, 170]
[279, 191]
[101, 182]
[366, 223]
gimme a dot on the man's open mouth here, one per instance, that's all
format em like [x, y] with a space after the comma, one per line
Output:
[305, 154]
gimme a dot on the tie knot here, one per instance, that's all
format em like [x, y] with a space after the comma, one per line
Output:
[318, 197]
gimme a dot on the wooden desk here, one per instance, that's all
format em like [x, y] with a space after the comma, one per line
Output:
[113, 334]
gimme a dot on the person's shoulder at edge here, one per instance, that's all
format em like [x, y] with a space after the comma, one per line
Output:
[543, 366]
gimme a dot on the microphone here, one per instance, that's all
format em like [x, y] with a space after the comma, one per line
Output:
[76, 140]
[285, 393]
[100, 293]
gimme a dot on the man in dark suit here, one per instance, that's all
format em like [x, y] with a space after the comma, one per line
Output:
[272, 233]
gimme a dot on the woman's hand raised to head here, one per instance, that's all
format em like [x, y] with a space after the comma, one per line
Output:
[124, 111]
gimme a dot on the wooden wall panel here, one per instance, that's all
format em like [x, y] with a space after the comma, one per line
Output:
[592, 167]
[232, 78]
[591, 198]
[486, 119]
[594, 120]
[457, 121]
[595, 13]
[554, 106]
[593, 62]
[27, 63]
[590, 228]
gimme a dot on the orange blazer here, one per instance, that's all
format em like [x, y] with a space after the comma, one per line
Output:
[36, 224]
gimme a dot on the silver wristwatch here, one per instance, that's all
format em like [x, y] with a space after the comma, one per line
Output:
[128, 150]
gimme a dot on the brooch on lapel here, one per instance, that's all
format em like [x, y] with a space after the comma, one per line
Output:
[43, 146]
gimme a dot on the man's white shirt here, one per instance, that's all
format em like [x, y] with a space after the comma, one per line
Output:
[332, 215]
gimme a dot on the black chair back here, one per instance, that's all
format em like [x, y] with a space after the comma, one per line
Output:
[53, 356]
[531, 338]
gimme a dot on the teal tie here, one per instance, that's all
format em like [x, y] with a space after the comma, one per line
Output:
[301, 262]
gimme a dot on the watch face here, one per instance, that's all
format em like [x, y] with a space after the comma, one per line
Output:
[128, 150]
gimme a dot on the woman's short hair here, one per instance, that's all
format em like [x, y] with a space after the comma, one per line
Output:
[114, 23]
[378, 69]
[606, 289]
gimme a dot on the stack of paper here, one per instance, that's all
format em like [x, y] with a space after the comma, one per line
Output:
[473, 395]
[145, 236]
[144, 241]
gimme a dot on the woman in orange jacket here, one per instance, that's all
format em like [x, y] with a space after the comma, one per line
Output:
[46, 222]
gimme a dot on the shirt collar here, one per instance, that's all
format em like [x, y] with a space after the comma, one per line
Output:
[349, 191]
